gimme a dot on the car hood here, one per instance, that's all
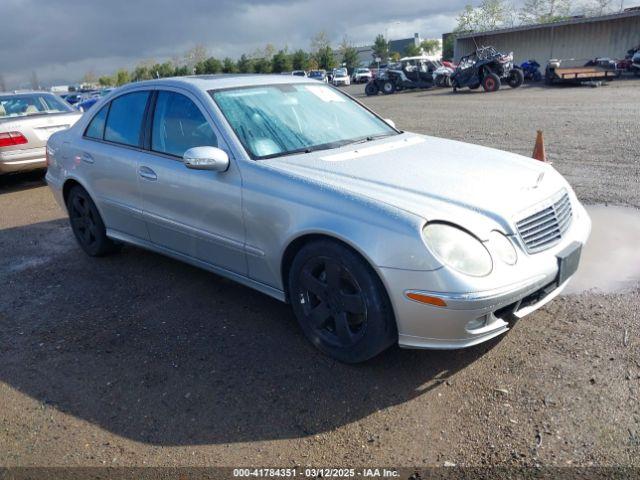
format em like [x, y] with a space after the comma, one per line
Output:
[436, 179]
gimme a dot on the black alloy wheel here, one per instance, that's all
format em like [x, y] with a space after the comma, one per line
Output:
[87, 224]
[333, 302]
[340, 302]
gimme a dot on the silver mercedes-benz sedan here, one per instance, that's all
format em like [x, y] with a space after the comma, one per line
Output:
[26, 122]
[375, 236]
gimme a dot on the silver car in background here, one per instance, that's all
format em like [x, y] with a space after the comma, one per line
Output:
[27, 120]
[375, 236]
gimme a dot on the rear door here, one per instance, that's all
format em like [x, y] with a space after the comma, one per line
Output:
[108, 155]
[193, 212]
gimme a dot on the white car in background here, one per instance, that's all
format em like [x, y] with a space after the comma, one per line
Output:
[26, 122]
[361, 75]
[341, 77]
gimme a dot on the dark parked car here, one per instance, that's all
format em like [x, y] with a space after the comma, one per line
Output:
[320, 75]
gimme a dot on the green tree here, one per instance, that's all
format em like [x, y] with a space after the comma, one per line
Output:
[325, 58]
[492, 14]
[105, 81]
[141, 72]
[213, 65]
[467, 19]
[194, 56]
[430, 47]
[181, 71]
[281, 62]
[162, 70]
[448, 46]
[599, 7]
[381, 48]
[261, 65]
[544, 11]
[209, 66]
[312, 64]
[412, 50]
[122, 77]
[228, 65]
[300, 60]
[349, 55]
[245, 64]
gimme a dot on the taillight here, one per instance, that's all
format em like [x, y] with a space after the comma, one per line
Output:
[10, 139]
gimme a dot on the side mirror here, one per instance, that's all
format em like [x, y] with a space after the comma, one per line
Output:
[390, 122]
[206, 158]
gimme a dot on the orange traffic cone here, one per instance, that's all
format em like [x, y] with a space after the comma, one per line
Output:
[539, 152]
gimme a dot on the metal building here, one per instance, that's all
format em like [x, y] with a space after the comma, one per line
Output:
[577, 38]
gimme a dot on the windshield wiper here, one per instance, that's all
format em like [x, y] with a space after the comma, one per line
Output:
[371, 138]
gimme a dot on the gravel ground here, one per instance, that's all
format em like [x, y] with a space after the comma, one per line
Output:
[136, 359]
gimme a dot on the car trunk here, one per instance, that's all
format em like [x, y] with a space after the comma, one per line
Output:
[36, 128]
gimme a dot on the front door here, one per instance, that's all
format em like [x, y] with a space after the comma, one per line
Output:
[193, 212]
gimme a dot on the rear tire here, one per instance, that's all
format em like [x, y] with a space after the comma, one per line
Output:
[516, 78]
[340, 302]
[87, 224]
[371, 89]
[491, 83]
[388, 87]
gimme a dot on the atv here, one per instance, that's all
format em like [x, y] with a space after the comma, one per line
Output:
[531, 71]
[410, 73]
[635, 65]
[487, 67]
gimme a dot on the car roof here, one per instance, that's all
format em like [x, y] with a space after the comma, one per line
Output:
[220, 81]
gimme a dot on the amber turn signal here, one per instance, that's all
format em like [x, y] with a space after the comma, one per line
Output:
[420, 298]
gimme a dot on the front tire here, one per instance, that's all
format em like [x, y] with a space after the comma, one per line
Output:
[491, 83]
[340, 302]
[87, 224]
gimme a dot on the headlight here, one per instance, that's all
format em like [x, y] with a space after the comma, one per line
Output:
[458, 249]
[503, 248]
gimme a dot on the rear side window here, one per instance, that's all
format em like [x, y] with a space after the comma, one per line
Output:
[178, 125]
[96, 127]
[124, 123]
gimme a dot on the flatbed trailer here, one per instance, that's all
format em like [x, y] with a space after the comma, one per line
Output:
[578, 74]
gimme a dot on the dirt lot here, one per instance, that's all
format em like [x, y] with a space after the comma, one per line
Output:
[136, 359]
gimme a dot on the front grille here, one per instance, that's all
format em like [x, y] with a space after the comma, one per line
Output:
[544, 229]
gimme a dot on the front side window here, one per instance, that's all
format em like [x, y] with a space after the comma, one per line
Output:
[124, 123]
[178, 125]
[275, 120]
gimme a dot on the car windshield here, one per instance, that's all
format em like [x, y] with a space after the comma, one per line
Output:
[276, 120]
[32, 104]
[341, 72]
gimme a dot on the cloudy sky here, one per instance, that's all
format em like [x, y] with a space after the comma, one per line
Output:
[60, 40]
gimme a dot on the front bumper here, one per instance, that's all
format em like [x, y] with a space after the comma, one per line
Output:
[473, 317]
[23, 160]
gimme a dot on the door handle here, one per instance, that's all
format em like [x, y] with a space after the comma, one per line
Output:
[147, 173]
[87, 158]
